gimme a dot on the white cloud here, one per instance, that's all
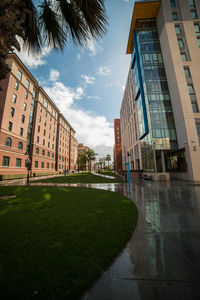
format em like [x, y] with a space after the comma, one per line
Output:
[116, 83]
[54, 75]
[93, 47]
[103, 71]
[94, 97]
[62, 95]
[91, 130]
[88, 79]
[33, 60]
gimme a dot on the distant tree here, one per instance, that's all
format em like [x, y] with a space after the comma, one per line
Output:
[81, 160]
[104, 162]
[108, 159]
[49, 22]
[100, 162]
[90, 157]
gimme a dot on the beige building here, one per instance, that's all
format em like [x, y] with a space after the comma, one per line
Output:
[32, 127]
[160, 113]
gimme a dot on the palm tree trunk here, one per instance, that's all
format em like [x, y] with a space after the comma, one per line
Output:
[12, 17]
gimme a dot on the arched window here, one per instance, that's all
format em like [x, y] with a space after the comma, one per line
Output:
[43, 152]
[8, 142]
[37, 151]
[48, 153]
[20, 146]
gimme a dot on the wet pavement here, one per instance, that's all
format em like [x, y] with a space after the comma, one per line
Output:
[162, 260]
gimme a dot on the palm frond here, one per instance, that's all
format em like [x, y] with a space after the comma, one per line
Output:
[32, 37]
[73, 21]
[50, 23]
[94, 14]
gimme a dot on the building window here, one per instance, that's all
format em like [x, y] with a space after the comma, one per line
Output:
[47, 165]
[178, 29]
[44, 132]
[52, 155]
[36, 164]
[42, 100]
[191, 89]
[12, 112]
[23, 118]
[194, 14]
[197, 29]
[26, 94]
[46, 113]
[42, 165]
[187, 72]
[16, 85]
[48, 154]
[37, 151]
[38, 128]
[21, 131]
[40, 108]
[191, 4]
[52, 146]
[20, 146]
[6, 161]
[24, 106]
[18, 162]
[48, 144]
[172, 3]
[183, 56]
[38, 139]
[45, 122]
[19, 75]
[39, 118]
[175, 16]
[43, 142]
[43, 152]
[27, 83]
[10, 126]
[195, 107]
[14, 98]
[52, 166]
[180, 43]
[8, 142]
[34, 93]
[197, 121]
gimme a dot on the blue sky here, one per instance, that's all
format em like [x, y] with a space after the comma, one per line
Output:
[87, 83]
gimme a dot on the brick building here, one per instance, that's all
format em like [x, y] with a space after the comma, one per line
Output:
[31, 126]
[117, 146]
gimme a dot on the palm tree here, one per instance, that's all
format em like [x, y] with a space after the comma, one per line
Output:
[81, 160]
[108, 159]
[101, 162]
[90, 157]
[51, 22]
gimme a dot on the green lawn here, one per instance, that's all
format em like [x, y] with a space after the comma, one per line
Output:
[81, 178]
[55, 242]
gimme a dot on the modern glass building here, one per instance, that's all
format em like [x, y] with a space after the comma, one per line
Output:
[160, 120]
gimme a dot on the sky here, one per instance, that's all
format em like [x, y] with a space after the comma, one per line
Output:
[87, 83]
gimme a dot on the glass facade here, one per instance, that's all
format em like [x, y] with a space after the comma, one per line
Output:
[154, 109]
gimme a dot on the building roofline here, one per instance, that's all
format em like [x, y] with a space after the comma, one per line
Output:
[142, 10]
[13, 54]
[16, 57]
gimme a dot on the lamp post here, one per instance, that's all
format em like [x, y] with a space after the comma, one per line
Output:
[154, 157]
[28, 164]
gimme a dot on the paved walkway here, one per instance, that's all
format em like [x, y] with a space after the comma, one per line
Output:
[161, 261]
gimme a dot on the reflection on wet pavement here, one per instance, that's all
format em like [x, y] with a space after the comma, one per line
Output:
[161, 261]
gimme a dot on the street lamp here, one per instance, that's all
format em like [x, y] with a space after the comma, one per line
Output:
[28, 164]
